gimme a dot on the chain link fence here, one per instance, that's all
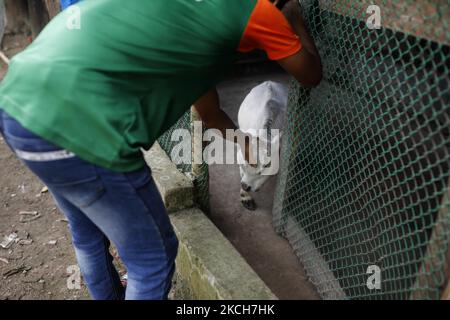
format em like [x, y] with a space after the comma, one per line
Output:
[198, 173]
[364, 183]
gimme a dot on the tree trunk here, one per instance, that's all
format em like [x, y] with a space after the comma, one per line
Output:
[16, 16]
[2, 19]
[38, 15]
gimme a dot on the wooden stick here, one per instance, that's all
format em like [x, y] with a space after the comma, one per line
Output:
[37, 16]
[4, 57]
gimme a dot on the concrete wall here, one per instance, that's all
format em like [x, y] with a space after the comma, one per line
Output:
[207, 263]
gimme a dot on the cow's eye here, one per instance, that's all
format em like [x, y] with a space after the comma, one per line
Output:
[268, 164]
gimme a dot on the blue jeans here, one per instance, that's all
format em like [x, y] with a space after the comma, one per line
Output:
[67, 3]
[102, 206]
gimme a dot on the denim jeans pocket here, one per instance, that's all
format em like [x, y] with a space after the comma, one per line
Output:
[139, 178]
[75, 179]
[82, 194]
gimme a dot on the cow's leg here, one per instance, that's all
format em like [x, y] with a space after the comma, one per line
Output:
[247, 200]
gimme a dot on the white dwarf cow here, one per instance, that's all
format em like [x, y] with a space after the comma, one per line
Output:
[261, 116]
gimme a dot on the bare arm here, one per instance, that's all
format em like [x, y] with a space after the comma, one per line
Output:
[208, 107]
[305, 65]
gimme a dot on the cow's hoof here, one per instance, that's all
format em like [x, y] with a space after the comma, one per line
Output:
[249, 204]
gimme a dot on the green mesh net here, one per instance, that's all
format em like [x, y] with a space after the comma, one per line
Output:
[365, 161]
[198, 173]
[168, 143]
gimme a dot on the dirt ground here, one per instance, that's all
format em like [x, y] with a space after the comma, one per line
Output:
[38, 270]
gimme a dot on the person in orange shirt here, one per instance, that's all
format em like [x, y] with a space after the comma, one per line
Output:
[79, 104]
[285, 38]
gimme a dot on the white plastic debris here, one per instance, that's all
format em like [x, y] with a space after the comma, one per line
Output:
[8, 241]
[22, 188]
[43, 191]
[28, 213]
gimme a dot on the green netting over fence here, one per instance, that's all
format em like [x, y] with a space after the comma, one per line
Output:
[199, 174]
[366, 165]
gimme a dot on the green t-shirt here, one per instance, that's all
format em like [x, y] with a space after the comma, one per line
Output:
[113, 86]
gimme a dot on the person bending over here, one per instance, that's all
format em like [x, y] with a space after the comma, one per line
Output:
[79, 103]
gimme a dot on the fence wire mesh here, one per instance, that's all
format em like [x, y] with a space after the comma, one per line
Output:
[199, 174]
[365, 160]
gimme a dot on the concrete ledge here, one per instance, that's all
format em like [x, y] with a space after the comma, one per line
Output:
[176, 189]
[209, 265]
